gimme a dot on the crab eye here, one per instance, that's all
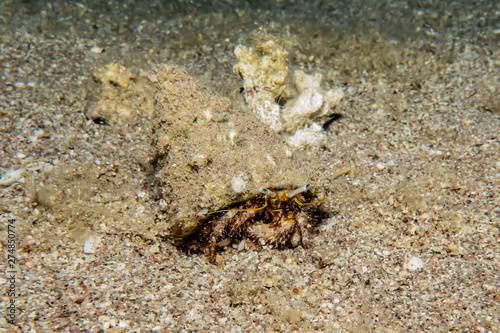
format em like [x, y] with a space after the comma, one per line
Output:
[298, 190]
[266, 191]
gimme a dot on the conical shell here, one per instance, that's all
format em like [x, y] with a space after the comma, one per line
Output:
[210, 153]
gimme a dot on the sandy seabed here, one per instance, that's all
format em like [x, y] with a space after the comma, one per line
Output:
[417, 250]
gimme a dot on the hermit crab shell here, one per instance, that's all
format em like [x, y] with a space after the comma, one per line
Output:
[210, 152]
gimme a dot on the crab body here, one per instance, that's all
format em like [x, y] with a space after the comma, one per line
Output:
[280, 219]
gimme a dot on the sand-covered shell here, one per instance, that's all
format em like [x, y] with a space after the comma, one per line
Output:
[210, 153]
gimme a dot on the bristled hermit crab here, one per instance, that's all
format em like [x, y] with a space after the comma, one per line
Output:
[279, 218]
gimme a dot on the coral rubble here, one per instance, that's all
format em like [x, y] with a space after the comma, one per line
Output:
[264, 71]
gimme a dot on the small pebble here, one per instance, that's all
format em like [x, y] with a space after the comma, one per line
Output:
[154, 248]
[96, 50]
[242, 245]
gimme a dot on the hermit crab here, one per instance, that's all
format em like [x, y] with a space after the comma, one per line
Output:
[275, 218]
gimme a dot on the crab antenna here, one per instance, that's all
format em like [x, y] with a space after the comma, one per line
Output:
[298, 190]
[268, 192]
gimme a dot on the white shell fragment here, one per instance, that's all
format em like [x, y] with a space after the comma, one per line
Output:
[10, 177]
[91, 244]
[414, 264]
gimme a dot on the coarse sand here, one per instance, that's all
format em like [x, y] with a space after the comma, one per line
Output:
[415, 141]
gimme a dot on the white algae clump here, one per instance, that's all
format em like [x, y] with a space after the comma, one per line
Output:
[264, 71]
[202, 164]
[308, 136]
